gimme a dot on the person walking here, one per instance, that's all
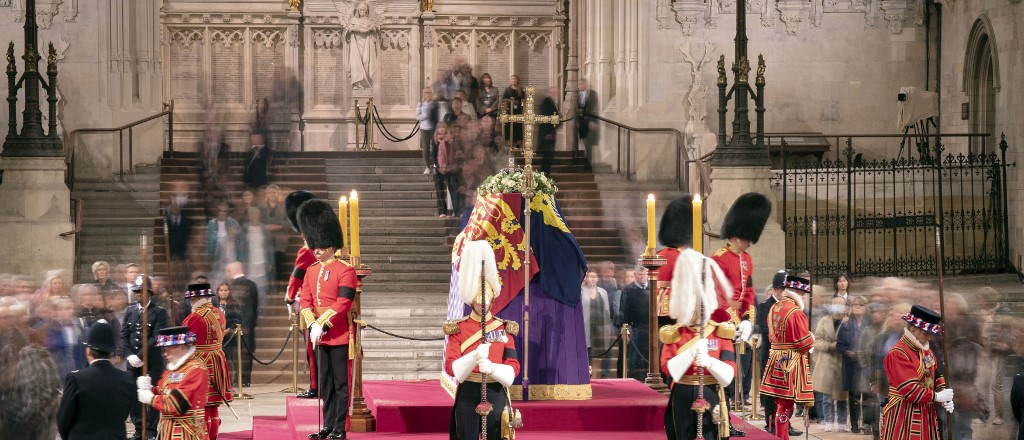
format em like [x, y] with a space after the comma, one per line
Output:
[96, 400]
[787, 377]
[132, 344]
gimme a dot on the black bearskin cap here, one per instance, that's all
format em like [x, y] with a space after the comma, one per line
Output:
[319, 225]
[677, 223]
[747, 217]
[292, 204]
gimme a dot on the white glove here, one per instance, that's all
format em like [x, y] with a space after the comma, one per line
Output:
[948, 406]
[134, 361]
[679, 364]
[146, 396]
[699, 347]
[945, 395]
[722, 372]
[289, 307]
[144, 383]
[504, 374]
[745, 330]
[485, 366]
[483, 351]
[315, 333]
[811, 351]
[463, 366]
[702, 360]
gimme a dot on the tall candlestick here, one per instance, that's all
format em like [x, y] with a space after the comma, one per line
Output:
[698, 225]
[651, 241]
[343, 219]
[353, 204]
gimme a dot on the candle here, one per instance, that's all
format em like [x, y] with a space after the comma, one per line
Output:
[343, 219]
[651, 242]
[698, 225]
[353, 205]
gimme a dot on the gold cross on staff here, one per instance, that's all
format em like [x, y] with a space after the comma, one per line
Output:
[530, 120]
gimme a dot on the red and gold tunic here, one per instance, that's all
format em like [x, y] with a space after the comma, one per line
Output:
[326, 297]
[910, 413]
[303, 259]
[665, 278]
[464, 336]
[677, 338]
[788, 374]
[207, 322]
[738, 267]
[180, 398]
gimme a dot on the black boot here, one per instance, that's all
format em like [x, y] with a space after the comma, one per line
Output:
[322, 434]
[794, 433]
[308, 394]
[733, 432]
[337, 434]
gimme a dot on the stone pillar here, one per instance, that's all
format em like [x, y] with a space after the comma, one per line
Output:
[35, 209]
[729, 183]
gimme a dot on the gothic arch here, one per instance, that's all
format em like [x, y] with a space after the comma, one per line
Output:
[981, 77]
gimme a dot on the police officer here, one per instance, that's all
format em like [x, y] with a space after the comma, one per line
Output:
[131, 342]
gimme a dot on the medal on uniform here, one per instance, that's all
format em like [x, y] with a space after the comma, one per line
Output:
[175, 377]
[929, 360]
[712, 344]
[327, 273]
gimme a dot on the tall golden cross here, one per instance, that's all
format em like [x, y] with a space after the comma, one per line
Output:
[530, 119]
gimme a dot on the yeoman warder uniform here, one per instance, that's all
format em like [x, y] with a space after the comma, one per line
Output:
[207, 323]
[180, 396]
[787, 375]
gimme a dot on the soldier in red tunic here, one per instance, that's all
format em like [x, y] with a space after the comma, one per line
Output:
[180, 397]
[675, 233]
[303, 259]
[472, 357]
[328, 290]
[787, 376]
[914, 386]
[696, 355]
[741, 228]
[207, 323]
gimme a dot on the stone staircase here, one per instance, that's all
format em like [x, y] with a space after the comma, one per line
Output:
[624, 205]
[114, 215]
[408, 247]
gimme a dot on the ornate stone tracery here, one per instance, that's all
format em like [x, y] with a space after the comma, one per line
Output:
[791, 13]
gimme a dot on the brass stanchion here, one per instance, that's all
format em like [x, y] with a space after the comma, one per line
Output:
[296, 334]
[361, 419]
[624, 346]
[238, 336]
[755, 393]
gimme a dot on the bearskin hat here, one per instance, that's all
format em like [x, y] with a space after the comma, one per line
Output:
[677, 223]
[470, 271]
[747, 217]
[319, 225]
[292, 204]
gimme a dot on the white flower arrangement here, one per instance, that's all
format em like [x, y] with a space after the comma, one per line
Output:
[510, 180]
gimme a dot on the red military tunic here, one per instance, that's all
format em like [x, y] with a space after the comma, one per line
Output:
[665, 279]
[788, 372]
[464, 336]
[679, 416]
[207, 322]
[739, 269]
[323, 298]
[180, 397]
[911, 411]
[303, 259]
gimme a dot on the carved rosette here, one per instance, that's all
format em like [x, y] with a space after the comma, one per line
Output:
[894, 12]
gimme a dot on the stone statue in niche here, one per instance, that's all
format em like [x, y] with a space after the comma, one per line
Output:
[361, 31]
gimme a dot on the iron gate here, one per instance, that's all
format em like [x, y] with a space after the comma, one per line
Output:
[880, 217]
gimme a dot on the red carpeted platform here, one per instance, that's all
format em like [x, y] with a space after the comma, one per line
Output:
[617, 405]
[420, 410]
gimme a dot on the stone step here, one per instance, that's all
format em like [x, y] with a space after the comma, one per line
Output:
[404, 162]
[145, 223]
[144, 186]
[349, 179]
[103, 196]
[415, 288]
[190, 171]
[376, 169]
[423, 192]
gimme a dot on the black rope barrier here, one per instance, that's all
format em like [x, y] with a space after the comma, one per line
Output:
[410, 338]
[638, 351]
[276, 357]
[387, 134]
[617, 340]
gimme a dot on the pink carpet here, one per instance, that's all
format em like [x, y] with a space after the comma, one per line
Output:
[423, 406]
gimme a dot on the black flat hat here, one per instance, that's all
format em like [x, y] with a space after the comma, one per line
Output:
[924, 318]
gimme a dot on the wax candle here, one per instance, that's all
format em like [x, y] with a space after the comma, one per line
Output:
[353, 205]
[698, 225]
[651, 242]
[343, 218]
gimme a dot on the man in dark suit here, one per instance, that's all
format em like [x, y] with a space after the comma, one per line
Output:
[131, 344]
[761, 322]
[247, 294]
[587, 106]
[96, 399]
[546, 132]
[635, 312]
[179, 231]
[1017, 402]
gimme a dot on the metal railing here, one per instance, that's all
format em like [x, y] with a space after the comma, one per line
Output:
[625, 154]
[74, 231]
[879, 216]
[69, 157]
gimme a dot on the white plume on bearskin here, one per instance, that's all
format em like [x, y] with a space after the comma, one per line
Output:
[691, 285]
[473, 252]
